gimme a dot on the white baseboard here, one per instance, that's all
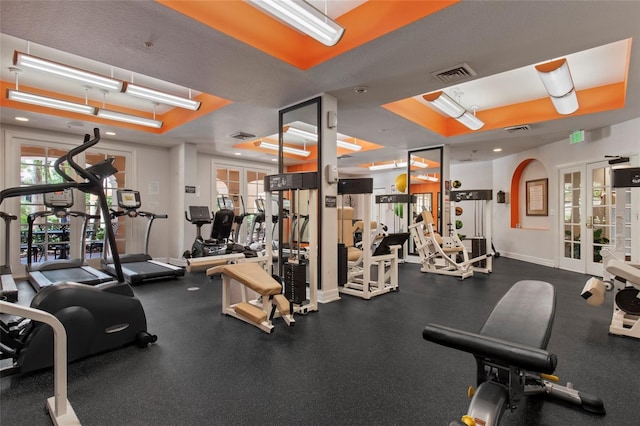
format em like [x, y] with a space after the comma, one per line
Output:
[531, 259]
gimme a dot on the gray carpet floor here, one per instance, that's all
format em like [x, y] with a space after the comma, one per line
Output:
[354, 362]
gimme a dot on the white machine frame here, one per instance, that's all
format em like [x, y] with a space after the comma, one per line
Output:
[359, 277]
[482, 229]
[58, 405]
[440, 257]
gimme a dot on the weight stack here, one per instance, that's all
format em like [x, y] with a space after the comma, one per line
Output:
[342, 264]
[295, 282]
[479, 248]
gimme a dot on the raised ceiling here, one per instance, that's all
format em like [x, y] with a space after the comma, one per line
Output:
[150, 39]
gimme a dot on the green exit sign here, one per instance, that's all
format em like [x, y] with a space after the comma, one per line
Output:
[577, 136]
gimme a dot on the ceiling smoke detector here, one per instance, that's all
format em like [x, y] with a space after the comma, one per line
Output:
[243, 136]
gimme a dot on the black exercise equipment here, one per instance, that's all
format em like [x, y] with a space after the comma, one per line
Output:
[219, 242]
[511, 354]
[8, 288]
[63, 268]
[138, 267]
[100, 318]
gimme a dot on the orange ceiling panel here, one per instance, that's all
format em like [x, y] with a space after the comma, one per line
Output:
[597, 99]
[244, 22]
[172, 119]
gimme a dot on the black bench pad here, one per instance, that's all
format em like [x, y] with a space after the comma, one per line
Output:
[524, 315]
[516, 333]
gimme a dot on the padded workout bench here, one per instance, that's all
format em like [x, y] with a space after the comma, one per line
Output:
[258, 312]
[511, 354]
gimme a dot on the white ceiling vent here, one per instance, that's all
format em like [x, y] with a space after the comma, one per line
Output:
[243, 136]
[454, 74]
[518, 129]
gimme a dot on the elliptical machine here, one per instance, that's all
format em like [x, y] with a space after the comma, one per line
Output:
[96, 318]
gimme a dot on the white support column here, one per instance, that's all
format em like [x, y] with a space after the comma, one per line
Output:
[184, 172]
[328, 281]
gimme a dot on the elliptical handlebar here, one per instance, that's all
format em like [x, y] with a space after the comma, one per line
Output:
[63, 158]
[88, 143]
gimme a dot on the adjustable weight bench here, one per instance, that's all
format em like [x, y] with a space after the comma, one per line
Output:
[511, 355]
[258, 312]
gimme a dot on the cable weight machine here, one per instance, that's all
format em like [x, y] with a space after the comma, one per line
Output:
[301, 263]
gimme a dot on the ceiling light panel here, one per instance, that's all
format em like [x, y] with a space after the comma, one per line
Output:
[303, 17]
[287, 149]
[45, 101]
[161, 97]
[128, 118]
[24, 60]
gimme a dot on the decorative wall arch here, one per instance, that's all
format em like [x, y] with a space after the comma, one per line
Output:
[515, 191]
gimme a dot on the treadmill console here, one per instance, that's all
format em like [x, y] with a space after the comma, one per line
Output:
[59, 199]
[128, 199]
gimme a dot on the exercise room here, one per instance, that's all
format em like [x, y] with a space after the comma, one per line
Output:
[327, 212]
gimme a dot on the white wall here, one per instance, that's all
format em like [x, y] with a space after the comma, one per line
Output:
[472, 175]
[541, 246]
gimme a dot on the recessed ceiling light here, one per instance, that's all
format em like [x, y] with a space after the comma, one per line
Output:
[22, 119]
[497, 149]
[238, 153]
[110, 133]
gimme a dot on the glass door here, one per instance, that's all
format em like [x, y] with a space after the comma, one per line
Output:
[588, 224]
[599, 220]
[573, 226]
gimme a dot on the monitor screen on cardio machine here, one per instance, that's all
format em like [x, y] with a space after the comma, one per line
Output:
[199, 214]
[128, 199]
[59, 199]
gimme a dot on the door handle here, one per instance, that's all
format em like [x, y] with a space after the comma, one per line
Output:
[589, 222]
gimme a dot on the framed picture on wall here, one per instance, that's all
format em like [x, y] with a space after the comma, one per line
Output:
[537, 197]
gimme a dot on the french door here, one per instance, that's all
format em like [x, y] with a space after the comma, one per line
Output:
[587, 219]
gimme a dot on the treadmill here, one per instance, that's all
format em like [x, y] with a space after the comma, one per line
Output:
[138, 267]
[49, 272]
[8, 288]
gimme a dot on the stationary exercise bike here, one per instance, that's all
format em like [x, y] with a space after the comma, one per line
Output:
[511, 355]
[96, 318]
[218, 244]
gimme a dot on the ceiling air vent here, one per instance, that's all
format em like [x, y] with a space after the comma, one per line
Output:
[243, 136]
[454, 74]
[518, 129]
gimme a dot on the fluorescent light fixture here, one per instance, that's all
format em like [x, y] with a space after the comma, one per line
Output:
[417, 163]
[128, 118]
[313, 137]
[428, 178]
[556, 77]
[397, 165]
[301, 133]
[349, 145]
[385, 166]
[287, 149]
[94, 80]
[24, 119]
[444, 103]
[33, 99]
[161, 97]
[303, 17]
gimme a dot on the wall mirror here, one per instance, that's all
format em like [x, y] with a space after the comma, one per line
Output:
[300, 134]
[426, 185]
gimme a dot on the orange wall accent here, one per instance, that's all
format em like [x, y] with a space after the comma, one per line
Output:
[515, 191]
[244, 22]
